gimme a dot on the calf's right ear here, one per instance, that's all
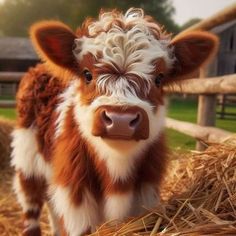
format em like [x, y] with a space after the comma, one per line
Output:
[54, 41]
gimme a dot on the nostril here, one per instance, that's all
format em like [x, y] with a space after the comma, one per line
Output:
[133, 123]
[107, 120]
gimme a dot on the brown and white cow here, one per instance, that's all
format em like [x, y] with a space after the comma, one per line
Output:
[90, 135]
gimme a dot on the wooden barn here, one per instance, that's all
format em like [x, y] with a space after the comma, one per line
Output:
[226, 59]
[16, 55]
[225, 63]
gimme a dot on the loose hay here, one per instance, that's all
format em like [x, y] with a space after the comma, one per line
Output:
[6, 128]
[201, 188]
[199, 195]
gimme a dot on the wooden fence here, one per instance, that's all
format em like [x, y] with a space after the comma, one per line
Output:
[9, 78]
[206, 88]
[203, 87]
[217, 85]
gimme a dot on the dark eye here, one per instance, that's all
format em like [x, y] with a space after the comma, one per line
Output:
[88, 76]
[159, 78]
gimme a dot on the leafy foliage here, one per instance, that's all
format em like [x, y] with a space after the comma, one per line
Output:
[190, 22]
[17, 15]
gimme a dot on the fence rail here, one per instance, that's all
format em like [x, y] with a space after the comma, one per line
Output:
[207, 134]
[11, 77]
[212, 85]
[7, 104]
[7, 78]
[219, 18]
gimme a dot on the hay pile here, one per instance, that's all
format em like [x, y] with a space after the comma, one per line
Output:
[199, 193]
[202, 198]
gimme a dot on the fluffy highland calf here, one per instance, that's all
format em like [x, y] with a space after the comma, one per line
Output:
[89, 139]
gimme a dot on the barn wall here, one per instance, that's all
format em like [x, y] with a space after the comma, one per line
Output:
[227, 52]
[11, 65]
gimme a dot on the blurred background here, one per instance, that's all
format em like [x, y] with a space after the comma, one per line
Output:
[205, 109]
[18, 15]
[17, 54]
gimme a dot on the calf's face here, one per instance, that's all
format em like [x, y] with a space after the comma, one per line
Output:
[117, 67]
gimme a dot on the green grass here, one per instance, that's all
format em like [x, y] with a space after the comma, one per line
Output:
[179, 141]
[186, 110]
[7, 97]
[180, 109]
[183, 109]
[9, 113]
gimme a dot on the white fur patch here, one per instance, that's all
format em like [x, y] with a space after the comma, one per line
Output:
[118, 206]
[118, 155]
[132, 51]
[25, 155]
[63, 108]
[77, 219]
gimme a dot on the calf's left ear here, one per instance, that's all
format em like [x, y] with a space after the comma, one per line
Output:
[53, 41]
[192, 50]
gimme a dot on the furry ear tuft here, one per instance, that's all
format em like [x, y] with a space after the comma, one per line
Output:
[54, 41]
[192, 50]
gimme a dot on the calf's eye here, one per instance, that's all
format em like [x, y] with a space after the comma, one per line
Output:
[159, 78]
[88, 76]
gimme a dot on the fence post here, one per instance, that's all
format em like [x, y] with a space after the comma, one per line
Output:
[206, 115]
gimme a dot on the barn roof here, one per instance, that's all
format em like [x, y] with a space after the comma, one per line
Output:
[219, 29]
[17, 48]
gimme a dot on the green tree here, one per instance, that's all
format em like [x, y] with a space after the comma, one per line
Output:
[17, 15]
[162, 11]
[189, 23]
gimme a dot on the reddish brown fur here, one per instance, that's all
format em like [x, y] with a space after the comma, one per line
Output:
[35, 188]
[75, 164]
[49, 39]
[36, 99]
[62, 228]
[189, 57]
[72, 163]
[32, 232]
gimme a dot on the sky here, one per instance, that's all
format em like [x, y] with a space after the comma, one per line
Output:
[187, 9]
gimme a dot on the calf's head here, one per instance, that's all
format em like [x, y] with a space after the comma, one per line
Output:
[117, 67]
